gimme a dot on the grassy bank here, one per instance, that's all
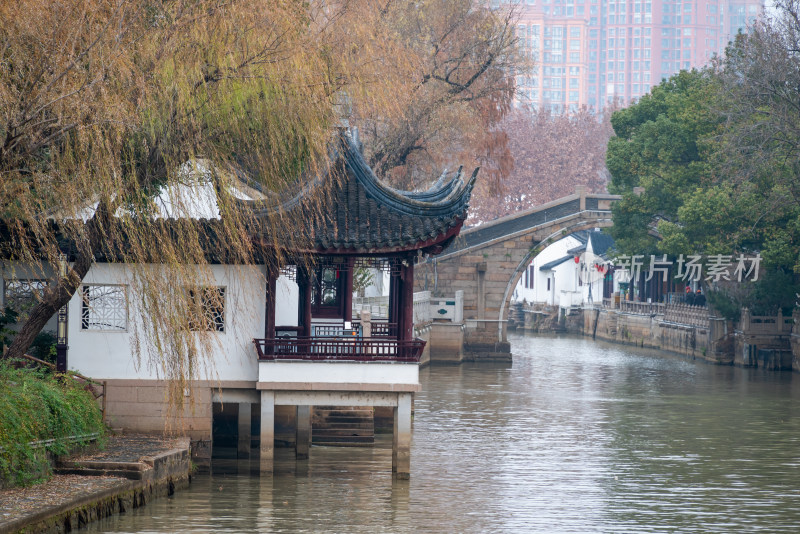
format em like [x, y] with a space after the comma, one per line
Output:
[40, 414]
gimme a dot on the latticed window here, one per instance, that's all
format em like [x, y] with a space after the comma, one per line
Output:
[21, 295]
[104, 307]
[208, 308]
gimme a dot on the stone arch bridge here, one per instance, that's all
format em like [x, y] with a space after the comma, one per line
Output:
[486, 262]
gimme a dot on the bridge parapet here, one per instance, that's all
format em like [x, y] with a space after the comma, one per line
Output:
[540, 217]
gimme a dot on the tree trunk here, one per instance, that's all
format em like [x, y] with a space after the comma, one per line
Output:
[57, 294]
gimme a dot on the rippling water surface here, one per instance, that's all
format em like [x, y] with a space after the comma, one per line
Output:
[575, 436]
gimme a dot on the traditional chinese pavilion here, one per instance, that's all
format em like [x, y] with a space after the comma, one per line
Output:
[327, 357]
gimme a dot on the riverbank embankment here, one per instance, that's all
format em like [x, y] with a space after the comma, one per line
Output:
[130, 472]
[754, 341]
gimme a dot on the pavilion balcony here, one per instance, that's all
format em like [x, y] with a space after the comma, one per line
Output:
[327, 348]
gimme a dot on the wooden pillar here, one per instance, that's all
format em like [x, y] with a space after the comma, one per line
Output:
[347, 297]
[304, 304]
[267, 442]
[243, 449]
[401, 437]
[270, 296]
[394, 300]
[406, 302]
[303, 434]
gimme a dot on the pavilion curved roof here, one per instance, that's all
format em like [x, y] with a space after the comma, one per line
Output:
[365, 216]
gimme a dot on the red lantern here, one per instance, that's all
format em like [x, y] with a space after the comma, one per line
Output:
[577, 259]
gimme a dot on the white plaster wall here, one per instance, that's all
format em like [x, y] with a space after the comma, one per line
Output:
[287, 297]
[566, 279]
[380, 284]
[339, 372]
[111, 355]
[539, 292]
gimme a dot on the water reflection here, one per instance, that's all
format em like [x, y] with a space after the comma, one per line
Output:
[576, 436]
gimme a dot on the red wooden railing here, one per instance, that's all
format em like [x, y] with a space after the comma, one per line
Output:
[327, 348]
[379, 329]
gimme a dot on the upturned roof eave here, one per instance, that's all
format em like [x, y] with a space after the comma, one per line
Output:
[433, 246]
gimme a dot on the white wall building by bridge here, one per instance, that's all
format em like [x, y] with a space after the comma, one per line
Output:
[567, 273]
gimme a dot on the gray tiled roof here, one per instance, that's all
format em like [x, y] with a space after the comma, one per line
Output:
[364, 215]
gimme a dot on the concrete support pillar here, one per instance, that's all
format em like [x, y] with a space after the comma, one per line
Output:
[267, 445]
[245, 411]
[401, 438]
[303, 436]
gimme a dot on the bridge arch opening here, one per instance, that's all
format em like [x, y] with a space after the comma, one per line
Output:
[522, 266]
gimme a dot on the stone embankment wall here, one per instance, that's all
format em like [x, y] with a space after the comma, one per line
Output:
[139, 483]
[685, 330]
[766, 341]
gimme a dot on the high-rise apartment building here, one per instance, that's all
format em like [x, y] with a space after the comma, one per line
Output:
[593, 52]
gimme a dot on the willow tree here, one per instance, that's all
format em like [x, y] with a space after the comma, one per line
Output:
[108, 105]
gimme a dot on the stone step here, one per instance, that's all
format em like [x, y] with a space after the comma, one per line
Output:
[342, 413]
[87, 472]
[363, 425]
[343, 444]
[342, 419]
[343, 426]
[319, 440]
[343, 432]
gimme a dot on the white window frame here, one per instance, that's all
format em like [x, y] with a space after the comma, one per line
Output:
[102, 323]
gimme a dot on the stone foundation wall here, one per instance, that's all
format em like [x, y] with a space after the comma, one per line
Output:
[487, 352]
[794, 341]
[143, 406]
[540, 320]
[446, 343]
[423, 332]
[652, 331]
[619, 327]
[767, 352]
[715, 340]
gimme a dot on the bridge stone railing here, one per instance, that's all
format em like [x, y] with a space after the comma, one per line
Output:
[641, 308]
[422, 307]
[686, 314]
[450, 309]
[765, 325]
[426, 308]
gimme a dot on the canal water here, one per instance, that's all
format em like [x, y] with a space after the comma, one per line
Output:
[575, 436]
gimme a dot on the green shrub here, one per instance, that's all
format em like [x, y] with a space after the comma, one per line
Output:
[36, 406]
